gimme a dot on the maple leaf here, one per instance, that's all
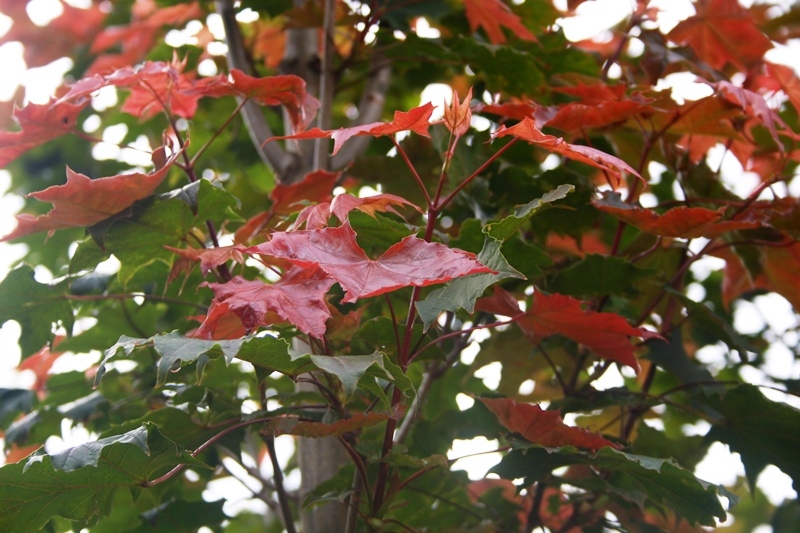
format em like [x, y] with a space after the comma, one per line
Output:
[606, 334]
[315, 187]
[344, 203]
[83, 201]
[136, 38]
[787, 78]
[457, 116]
[210, 258]
[287, 90]
[411, 262]
[722, 31]
[527, 130]
[39, 123]
[298, 298]
[492, 16]
[416, 120]
[154, 85]
[680, 222]
[40, 364]
[43, 45]
[753, 104]
[538, 426]
[599, 105]
[515, 110]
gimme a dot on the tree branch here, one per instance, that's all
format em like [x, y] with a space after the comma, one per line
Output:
[370, 108]
[279, 161]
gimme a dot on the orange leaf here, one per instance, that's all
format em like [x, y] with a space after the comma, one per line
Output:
[680, 222]
[457, 116]
[210, 258]
[344, 203]
[83, 201]
[722, 31]
[527, 131]
[315, 187]
[606, 334]
[538, 426]
[39, 123]
[298, 298]
[416, 120]
[493, 16]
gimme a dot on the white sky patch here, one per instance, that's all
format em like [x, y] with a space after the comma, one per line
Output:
[476, 466]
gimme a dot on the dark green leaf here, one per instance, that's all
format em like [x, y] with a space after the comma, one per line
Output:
[762, 431]
[505, 228]
[79, 483]
[35, 306]
[461, 293]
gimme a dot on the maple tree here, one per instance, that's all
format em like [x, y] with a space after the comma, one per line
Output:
[258, 288]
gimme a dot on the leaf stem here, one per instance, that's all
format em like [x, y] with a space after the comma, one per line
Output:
[217, 133]
[200, 449]
[414, 172]
[131, 296]
[476, 173]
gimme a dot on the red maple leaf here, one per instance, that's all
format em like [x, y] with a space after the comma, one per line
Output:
[83, 201]
[492, 16]
[210, 258]
[344, 203]
[722, 31]
[287, 90]
[315, 187]
[44, 44]
[40, 364]
[416, 120]
[598, 105]
[154, 86]
[527, 130]
[297, 298]
[39, 123]
[754, 105]
[787, 78]
[411, 262]
[542, 427]
[606, 334]
[136, 38]
[680, 222]
[457, 116]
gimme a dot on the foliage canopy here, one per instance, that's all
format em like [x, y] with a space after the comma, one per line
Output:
[242, 281]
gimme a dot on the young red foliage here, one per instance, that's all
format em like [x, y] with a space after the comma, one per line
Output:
[315, 187]
[298, 298]
[39, 123]
[73, 27]
[210, 258]
[411, 262]
[787, 79]
[542, 427]
[722, 31]
[493, 16]
[344, 203]
[680, 222]
[457, 116]
[606, 334]
[754, 105]
[598, 105]
[527, 131]
[286, 90]
[416, 120]
[83, 201]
